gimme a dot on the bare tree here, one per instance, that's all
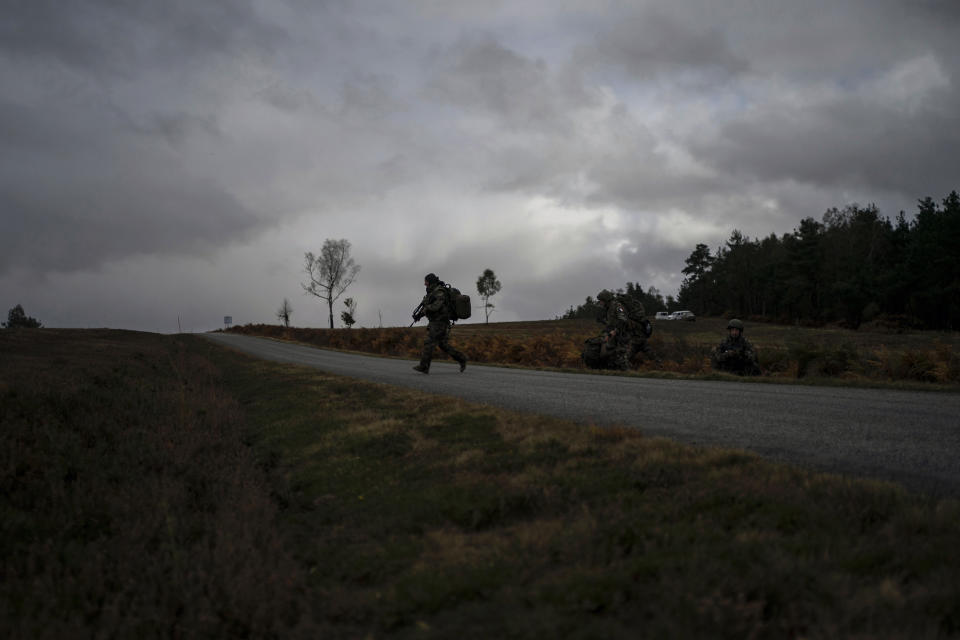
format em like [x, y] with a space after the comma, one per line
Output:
[487, 285]
[349, 316]
[284, 312]
[331, 272]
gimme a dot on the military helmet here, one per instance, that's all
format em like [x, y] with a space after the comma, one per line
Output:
[431, 278]
[605, 296]
[735, 324]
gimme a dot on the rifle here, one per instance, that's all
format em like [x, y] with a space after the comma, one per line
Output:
[417, 314]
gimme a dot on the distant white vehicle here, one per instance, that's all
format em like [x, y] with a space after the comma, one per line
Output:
[663, 315]
[683, 315]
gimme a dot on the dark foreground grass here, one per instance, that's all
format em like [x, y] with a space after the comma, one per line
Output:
[227, 496]
[129, 506]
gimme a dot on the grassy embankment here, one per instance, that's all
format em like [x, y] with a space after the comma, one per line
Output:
[871, 356]
[159, 485]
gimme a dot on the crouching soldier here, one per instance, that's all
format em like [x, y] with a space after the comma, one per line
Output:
[436, 307]
[735, 354]
[617, 336]
[639, 326]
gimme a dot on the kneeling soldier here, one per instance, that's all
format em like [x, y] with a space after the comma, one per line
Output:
[735, 354]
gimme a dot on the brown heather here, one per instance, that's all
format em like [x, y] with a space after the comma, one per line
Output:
[677, 349]
[130, 506]
[162, 486]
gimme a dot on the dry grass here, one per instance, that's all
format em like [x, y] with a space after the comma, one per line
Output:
[680, 349]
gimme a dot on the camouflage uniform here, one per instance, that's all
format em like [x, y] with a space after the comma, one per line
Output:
[736, 355]
[616, 348]
[640, 327]
[435, 307]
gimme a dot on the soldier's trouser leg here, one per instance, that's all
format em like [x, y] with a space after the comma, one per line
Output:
[444, 343]
[636, 346]
[621, 353]
[449, 350]
[426, 354]
[438, 335]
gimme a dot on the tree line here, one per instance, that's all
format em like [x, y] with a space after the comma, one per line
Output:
[851, 267]
[651, 299]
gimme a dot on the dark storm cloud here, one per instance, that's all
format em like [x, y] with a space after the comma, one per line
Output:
[61, 228]
[111, 36]
[829, 39]
[853, 140]
[94, 169]
[843, 98]
[551, 129]
[287, 98]
[650, 42]
[23, 129]
[480, 74]
[75, 197]
[177, 127]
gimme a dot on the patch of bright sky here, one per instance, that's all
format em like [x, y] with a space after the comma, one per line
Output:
[908, 85]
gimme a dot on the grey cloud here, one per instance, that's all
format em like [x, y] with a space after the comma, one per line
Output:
[370, 94]
[526, 296]
[480, 74]
[840, 40]
[23, 129]
[621, 166]
[288, 98]
[647, 260]
[525, 169]
[82, 228]
[851, 142]
[78, 190]
[124, 37]
[651, 42]
[631, 172]
[177, 128]
[47, 28]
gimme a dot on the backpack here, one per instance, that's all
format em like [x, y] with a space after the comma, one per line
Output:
[592, 354]
[458, 303]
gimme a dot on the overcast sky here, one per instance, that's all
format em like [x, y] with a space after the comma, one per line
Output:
[176, 159]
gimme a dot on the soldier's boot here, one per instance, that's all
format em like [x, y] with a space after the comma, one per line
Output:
[422, 368]
[459, 357]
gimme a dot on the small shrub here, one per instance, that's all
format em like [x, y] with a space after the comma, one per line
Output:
[950, 362]
[838, 361]
[804, 354]
[774, 361]
[917, 365]
[896, 323]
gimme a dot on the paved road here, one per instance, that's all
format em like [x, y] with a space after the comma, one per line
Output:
[908, 437]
